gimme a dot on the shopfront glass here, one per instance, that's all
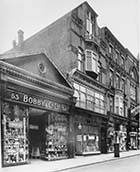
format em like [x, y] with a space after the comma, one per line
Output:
[122, 138]
[56, 136]
[87, 139]
[14, 135]
[48, 134]
[110, 139]
[133, 140]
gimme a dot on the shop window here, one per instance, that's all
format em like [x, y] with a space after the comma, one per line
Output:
[56, 136]
[87, 139]
[14, 137]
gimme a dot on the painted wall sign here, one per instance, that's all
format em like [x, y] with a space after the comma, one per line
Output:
[37, 101]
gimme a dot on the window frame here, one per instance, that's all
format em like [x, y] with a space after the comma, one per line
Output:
[93, 59]
[80, 62]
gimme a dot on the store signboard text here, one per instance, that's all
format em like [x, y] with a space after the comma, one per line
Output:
[34, 100]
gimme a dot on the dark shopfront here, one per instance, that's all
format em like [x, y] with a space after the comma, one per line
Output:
[90, 133]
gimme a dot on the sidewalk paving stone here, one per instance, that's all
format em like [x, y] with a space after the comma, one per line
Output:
[60, 165]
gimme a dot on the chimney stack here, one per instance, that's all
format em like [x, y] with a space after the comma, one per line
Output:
[20, 37]
[14, 44]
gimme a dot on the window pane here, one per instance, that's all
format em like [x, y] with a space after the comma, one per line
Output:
[83, 89]
[76, 86]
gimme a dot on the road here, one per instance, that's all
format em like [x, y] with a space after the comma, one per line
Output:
[130, 164]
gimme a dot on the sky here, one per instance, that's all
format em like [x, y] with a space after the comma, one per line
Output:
[120, 16]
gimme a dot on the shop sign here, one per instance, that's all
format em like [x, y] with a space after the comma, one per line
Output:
[34, 100]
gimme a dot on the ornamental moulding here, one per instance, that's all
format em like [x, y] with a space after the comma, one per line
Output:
[14, 71]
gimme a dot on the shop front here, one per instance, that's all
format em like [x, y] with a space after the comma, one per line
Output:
[33, 127]
[110, 135]
[35, 122]
[87, 134]
[133, 134]
[116, 133]
[123, 137]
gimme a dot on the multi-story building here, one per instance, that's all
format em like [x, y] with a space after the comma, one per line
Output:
[72, 42]
[103, 73]
[122, 82]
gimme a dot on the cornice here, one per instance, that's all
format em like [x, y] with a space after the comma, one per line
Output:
[21, 74]
[86, 80]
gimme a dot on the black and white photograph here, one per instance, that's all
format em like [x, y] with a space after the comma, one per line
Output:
[70, 86]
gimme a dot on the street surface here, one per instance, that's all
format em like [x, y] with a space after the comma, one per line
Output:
[130, 164]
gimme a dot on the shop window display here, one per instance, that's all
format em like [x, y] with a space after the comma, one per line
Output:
[122, 137]
[133, 140]
[110, 139]
[87, 139]
[56, 136]
[14, 127]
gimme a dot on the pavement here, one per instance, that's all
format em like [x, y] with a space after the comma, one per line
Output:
[38, 165]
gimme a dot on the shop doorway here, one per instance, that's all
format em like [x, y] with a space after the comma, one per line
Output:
[103, 140]
[36, 133]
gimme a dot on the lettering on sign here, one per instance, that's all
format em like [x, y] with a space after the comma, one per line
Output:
[32, 100]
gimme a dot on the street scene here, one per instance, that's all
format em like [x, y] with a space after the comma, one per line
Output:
[69, 86]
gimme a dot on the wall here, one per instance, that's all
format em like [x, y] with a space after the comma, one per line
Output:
[55, 40]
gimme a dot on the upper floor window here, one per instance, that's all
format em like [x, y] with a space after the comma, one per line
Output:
[111, 78]
[91, 61]
[99, 78]
[117, 81]
[89, 23]
[132, 74]
[122, 60]
[133, 91]
[117, 55]
[80, 60]
[110, 49]
[111, 104]
[89, 99]
[119, 105]
[122, 84]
